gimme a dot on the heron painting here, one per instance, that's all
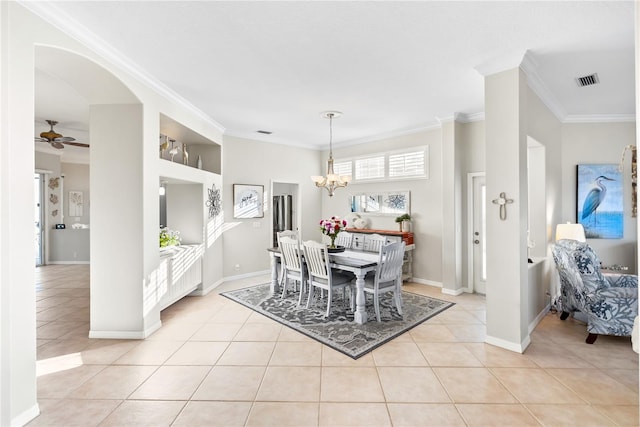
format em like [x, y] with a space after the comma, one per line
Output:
[599, 201]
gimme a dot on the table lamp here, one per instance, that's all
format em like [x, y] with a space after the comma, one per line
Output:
[570, 231]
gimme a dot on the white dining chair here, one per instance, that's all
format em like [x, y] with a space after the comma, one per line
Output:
[373, 242]
[388, 276]
[292, 266]
[285, 233]
[321, 275]
[344, 238]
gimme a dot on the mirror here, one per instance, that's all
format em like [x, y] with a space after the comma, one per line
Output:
[381, 203]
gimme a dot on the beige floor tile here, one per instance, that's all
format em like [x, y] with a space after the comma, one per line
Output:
[473, 385]
[411, 384]
[569, 416]
[432, 333]
[628, 377]
[175, 332]
[59, 384]
[59, 347]
[213, 414]
[113, 382]
[82, 413]
[149, 353]
[104, 352]
[294, 353]
[448, 354]
[144, 413]
[535, 386]
[238, 383]
[354, 414]
[247, 353]
[283, 414]
[216, 332]
[424, 415]
[198, 353]
[457, 315]
[606, 356]
[468, 333]
[258, 332]
[595, 386]
[498, 415]
[231, 314]
[491, 355]
[348, 384]
[172, 383]
[288, 334]
[554, 356]
[56, 329]
[399, 354]
[331, 357]
[621, 415]
[297, 384]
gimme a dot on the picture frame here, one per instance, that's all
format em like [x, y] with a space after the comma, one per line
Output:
[600, 201]
[389, 203]
[248, 201]
[76, 203]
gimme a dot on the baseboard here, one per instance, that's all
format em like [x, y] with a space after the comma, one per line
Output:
[246, 275]
[453, 292]
[126, 335]
[426, 282]
[508, 345]
[200, 292]
[68, 262]
[27, 416]
[539, 318]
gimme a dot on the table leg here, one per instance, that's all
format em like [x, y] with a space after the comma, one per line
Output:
[360, 316]
[275, 289]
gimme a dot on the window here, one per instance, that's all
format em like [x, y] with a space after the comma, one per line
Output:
[370, 168]
[410, 163]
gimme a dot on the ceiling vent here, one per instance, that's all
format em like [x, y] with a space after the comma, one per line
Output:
[589, 80]
[265, 132]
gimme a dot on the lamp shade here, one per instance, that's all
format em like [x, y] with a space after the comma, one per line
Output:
[570, 231]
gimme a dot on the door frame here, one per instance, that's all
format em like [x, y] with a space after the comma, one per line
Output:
[470, 217]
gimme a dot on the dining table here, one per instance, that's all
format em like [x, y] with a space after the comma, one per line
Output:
[355, 261]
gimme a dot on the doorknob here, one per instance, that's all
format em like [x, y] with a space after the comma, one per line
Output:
[476, 233]
[476, 241]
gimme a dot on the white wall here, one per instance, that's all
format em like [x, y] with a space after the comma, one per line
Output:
[590, 143]
[426, 200]
[251, 162]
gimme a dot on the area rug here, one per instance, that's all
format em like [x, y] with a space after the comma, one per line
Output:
[339, 331]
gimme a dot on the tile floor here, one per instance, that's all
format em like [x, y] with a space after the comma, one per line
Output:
[216, 363]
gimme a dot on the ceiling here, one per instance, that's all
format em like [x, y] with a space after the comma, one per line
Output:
[391, 67]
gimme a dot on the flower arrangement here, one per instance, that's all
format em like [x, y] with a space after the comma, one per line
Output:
[331, 227]
[169, 237]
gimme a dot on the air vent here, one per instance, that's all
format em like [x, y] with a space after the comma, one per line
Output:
[588, 80]
[266, 132]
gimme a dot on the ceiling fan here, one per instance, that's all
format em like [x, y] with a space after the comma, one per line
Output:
[56, 140]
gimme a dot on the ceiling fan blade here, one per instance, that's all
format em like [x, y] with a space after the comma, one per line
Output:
[40, 140]
[64, 139]
[56, 144]
[77, 144]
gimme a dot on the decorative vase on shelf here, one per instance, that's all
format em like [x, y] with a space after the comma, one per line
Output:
[199, 162]
[333, 242]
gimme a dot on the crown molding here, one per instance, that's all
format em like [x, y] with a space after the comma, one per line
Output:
[502, 63]
[600, 118]
[530, 66]
[77, 31]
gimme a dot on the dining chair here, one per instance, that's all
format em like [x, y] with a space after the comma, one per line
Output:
[292, 266]
[373, 242]
[344, 239]
[321, 275]
[388, 276]
[285, 233]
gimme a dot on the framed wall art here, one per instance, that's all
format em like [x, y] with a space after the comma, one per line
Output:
[76, 203]
[599, 204]
[248, 201]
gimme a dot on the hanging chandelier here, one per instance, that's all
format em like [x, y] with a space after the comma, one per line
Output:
[331, 181]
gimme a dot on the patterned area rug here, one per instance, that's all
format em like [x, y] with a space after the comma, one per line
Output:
[339, 331]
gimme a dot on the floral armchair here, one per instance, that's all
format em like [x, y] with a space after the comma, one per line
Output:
[609, 301]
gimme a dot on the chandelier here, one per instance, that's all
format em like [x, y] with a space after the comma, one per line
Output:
[331, 181]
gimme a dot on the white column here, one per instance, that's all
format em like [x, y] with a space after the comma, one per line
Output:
[506, 163]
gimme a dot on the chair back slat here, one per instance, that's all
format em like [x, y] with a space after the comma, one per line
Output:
[373, 242]
[317, 259]
[390, 261]
[344, 239]
[290, 249]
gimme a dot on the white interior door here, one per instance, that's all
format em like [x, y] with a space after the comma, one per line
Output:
[478, 234]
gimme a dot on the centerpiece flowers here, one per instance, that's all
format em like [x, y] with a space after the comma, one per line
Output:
[331, 227]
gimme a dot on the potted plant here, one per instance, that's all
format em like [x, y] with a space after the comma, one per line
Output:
[404, 222]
